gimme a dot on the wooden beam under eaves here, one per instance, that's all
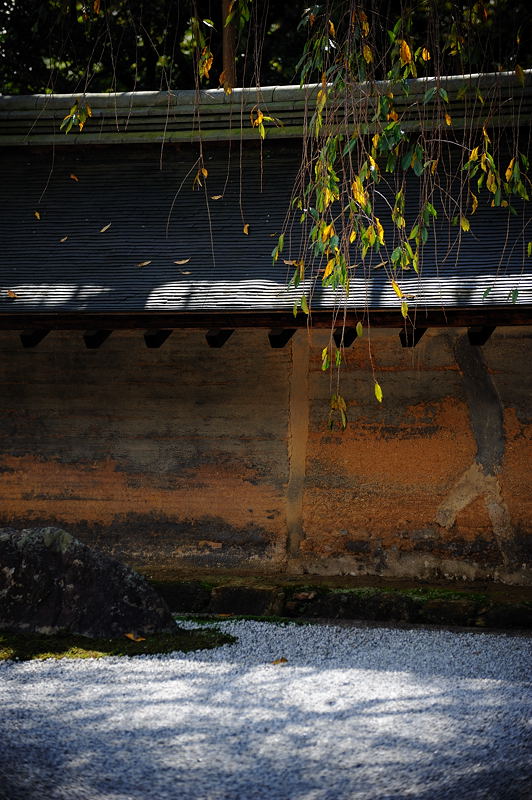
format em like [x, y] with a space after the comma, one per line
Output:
[344, 337]
[156, 338]
[410, 336]
[218, 336]
[280, 336]
[479, 334]
[94, 339]
[32, 338]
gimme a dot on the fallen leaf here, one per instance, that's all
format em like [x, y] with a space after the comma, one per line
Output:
[13, 295]
[74, 177]
[217, 197]
[143, 263]
[378, 392]
[63, 239]
[185, 272]
[246, 228]
[134, 637]
[224, 615]
[183, 261]
[280, 661]
[105, 227]
[37, 214]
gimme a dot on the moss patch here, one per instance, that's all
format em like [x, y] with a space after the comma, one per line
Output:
[30, 646]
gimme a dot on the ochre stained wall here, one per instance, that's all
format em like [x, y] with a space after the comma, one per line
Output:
[191, 457]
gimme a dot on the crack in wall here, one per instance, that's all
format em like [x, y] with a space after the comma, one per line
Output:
[480, 479]
[298, 424]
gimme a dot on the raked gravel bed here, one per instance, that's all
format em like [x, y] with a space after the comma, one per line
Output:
[355, 712]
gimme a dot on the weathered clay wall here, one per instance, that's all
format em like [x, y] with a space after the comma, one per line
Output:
[192, 457]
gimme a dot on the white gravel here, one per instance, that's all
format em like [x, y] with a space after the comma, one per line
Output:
[370, 713]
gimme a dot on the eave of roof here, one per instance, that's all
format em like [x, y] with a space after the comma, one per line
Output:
[212, 115]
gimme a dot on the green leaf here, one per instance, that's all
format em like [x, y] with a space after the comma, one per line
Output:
[529, 249]
[443, 94]
[359, 330]
[304, 304]
[404, 309]
[514, 295]
[429, 95]
[209, 23]
[378, 392]
[486, 292]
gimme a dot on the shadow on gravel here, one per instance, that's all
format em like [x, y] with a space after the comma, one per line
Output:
[222, 728]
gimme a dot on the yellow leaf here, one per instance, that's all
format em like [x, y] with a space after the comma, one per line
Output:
[404, 53]
[375, 140]
[185, 272]
[397, 289]
[359, 329]
[425, 54]
[474, 154]
[448, 119]
[134, 637]
[509, 169]
[281, 660]
[329, 268]
[364, 24]
[378, 392]
[491, 183]
[143, 263]
[485, 135]
[434, 166]
[331, 28]
[216, 196]
[63, 239]
[371, 235]
[464, 223]
[88, 109]
[366, 52]
[393, 115]
[74, 177]
[359, 192]
[474, 202]
[380, 230]
[10, 293]
[106, 227]
[327, 232]
[183, 261]
[246, 228]
[352, 236]
[37, 214]
[520, 74]
[204, 172]
[404, 309]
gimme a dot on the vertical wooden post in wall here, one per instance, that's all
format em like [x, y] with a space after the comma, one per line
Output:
[229, 42]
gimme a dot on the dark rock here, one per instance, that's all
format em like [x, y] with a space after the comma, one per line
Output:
[51, 582]
[246, 600]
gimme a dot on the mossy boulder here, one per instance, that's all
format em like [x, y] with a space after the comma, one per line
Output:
[50, 582]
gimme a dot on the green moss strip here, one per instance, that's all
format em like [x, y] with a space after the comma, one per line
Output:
[30, 646]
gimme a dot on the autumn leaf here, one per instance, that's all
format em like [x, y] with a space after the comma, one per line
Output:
[378, 392]
[281, 660]
[216, 196]
[246, 229]
[134, 637]
[63, 239]
[96, 6]
[404, 309]
[106, 227]
[329, 268]
[185, 272]
[37, 214]
[464, 223]
[425, 54]
[397, 289]
[13, 295]
[182, 261]
[380, 230]
[367, 53]
[404, 53]
[143, 263]
[474, 202]
[509, 169]
[352, 236]
[448, 119]
[204, 172]
[74, 177]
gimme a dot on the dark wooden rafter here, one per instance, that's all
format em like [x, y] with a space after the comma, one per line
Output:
[31, 338]
[410, 336]
[218, 336]
[479, 334]
[155, 338]
[279, 337]
[344, 337]
[95, 338]
[148, 320]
